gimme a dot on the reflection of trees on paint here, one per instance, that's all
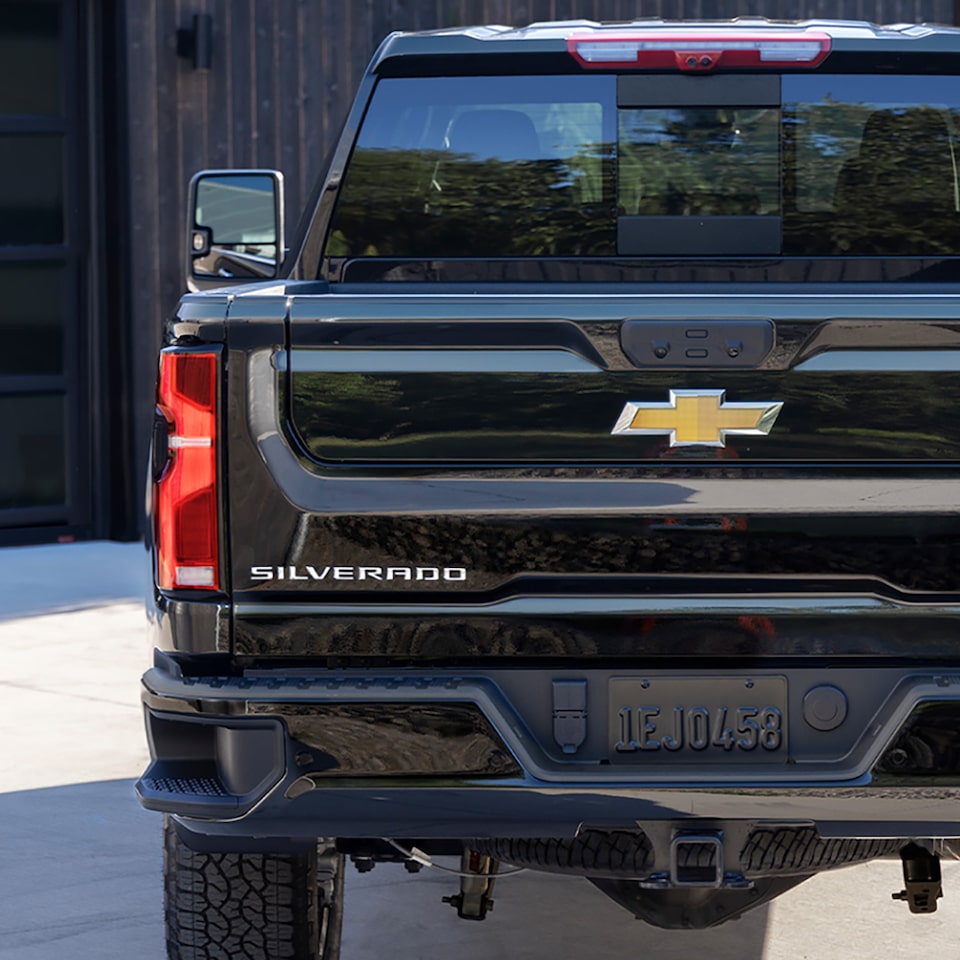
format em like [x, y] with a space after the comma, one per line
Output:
[532, 416]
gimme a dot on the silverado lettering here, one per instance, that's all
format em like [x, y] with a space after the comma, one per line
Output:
[308, 572]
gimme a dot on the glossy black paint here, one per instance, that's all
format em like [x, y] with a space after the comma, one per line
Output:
[191, 626]
[524, 417]
[553, 390]
[592, 323]
[501, 553]
[392, 634]
[392, 740]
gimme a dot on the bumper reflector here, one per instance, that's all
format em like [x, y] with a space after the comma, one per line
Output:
[196, 576]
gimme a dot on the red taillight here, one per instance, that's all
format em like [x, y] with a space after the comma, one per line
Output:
[186, 492]
[698, 52]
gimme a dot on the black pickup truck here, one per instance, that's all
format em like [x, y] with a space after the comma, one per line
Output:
[578, 491]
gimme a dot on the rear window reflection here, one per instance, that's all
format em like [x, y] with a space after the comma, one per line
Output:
[498, 167]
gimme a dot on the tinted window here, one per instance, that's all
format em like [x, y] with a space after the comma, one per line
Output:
[488, 167]
[874, 163]
[699, 161]
[491, 166]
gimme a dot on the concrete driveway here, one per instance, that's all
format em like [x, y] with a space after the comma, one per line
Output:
[80, 861]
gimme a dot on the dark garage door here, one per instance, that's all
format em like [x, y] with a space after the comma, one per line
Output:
[44, 223]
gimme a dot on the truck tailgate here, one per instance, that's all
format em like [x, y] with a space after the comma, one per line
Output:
[425, 446]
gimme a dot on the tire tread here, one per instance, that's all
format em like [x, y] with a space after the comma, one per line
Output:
[238, 906]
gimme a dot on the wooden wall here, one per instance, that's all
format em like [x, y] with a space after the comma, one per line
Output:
[283, 74]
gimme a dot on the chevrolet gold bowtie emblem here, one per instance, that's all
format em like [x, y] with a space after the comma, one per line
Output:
[698, 417]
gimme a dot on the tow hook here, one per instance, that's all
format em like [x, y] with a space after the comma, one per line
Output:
[477, 876]
[921, 878]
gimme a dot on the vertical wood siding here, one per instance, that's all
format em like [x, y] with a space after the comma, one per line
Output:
[283, 75]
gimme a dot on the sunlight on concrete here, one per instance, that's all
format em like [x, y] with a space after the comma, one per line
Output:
[70, 697]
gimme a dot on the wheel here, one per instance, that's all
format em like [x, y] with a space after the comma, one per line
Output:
[251, 906]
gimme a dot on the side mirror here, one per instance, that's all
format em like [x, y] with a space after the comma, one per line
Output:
[235, 227]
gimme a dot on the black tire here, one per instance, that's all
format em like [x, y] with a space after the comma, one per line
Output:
[251, 906]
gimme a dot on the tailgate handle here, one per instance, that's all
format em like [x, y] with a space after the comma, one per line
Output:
[696, 343]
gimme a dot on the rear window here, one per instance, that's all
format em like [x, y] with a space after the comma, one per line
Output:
[468, 166]
[600, 166]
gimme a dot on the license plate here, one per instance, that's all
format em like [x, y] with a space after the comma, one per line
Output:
[698, 719]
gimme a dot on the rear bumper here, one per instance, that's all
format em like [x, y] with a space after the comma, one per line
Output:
[445, 755]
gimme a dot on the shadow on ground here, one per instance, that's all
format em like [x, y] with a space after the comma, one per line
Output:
[79, 875]
[80, 878]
